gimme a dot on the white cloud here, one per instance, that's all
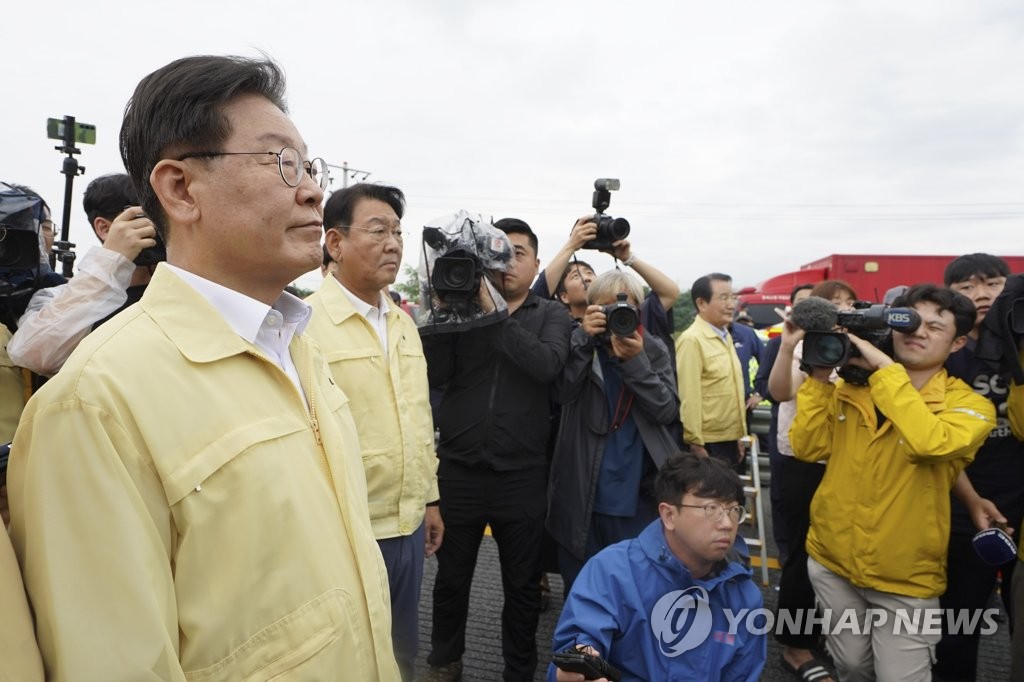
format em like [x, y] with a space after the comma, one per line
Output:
[750, 137]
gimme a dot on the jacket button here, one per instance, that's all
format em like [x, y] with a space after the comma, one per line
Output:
[842, 417]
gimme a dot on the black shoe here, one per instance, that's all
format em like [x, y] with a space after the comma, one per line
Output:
[449, 672]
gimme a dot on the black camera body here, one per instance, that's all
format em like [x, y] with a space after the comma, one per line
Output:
[151, 255]
[873, 323]
[621, 318]
[19, 230]
[591, 667]
[22, 270]
[609, 230]
[456, 276]
[458, 271]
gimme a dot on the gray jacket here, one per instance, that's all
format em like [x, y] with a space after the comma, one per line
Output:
[580, 444]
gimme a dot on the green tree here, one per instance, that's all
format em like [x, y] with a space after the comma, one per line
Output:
[683, 312]
[409, 287]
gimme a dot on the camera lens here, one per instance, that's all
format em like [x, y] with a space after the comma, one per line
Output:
[18, 248]
[457, 273]
[619, 229]
[611, 229]
[831, 350]
[623, 321]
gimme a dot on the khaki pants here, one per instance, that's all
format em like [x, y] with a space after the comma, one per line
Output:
[881, 653]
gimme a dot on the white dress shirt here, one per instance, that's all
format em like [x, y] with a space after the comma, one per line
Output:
[269, 328]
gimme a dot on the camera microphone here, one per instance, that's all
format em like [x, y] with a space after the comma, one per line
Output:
[435, 238]
[815, 314]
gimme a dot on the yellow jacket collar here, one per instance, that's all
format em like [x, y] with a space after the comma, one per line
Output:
[188, 319]
[339, 307]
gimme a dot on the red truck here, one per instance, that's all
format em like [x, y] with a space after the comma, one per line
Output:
[870, 276]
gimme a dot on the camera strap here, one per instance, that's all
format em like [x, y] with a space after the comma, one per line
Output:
[619, 418]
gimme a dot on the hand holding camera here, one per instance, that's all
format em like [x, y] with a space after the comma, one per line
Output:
[584, 231]
[616, 324]
[583, 663]
[130, 233]
[868, 356]
[594, 321]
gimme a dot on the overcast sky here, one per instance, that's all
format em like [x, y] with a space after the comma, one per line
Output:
[750, 137]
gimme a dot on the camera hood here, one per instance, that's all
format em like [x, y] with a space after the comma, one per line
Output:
[458, 254]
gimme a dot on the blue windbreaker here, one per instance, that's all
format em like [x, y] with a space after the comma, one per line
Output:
[639, 606]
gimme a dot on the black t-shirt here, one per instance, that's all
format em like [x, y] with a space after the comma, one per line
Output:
[997, 472]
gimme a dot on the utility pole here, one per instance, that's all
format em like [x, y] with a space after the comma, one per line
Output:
[347, 172]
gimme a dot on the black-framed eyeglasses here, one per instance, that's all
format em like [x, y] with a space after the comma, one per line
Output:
[714, 511]
[289, 163]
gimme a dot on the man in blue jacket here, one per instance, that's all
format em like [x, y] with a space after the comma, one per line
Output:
[668, 604]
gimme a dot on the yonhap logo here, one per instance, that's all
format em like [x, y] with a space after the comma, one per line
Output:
[681, 620]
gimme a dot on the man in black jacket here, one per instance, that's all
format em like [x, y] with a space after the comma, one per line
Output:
[493, 420]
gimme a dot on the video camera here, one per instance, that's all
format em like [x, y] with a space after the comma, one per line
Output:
[609, 230]
[23, 267]
[874, 323]
[459, 253]
[464, 260]
[20, 215]
[621, 318]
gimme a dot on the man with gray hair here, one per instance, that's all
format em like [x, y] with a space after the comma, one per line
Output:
[620, 421]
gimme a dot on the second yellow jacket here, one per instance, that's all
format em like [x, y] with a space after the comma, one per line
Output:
[711, 402]
[390, 403]
[880, 517]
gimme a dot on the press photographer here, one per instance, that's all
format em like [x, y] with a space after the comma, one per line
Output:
[989, 492]
[880, 519]
[24, 269]
[109, 279]
[496, 371]
[620, 422]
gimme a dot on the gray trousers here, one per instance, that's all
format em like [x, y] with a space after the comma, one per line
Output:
[886, 651]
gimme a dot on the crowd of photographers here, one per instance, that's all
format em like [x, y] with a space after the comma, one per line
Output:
[216, 479]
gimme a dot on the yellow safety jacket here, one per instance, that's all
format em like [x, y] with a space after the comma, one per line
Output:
[390, 401]
[180, 513]
[711, 399]
[880, 517]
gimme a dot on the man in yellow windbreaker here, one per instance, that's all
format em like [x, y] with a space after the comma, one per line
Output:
[712, 405]
[880, 519]
[187, 496]
[374, 352]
